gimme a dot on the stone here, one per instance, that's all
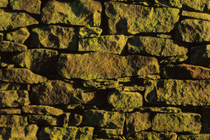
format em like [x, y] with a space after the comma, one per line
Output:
[105, 66]
[156, 136]
[42, 120]
[174, 59]
[18, 36]
[71, 132]
[181, 122]
[137, 121]
[42, 110]
[125, 101]
[10, 111]
[161, 109]
[40, 61]
[179, 92]
[6, 46]
[13, 86]
[103, 119]
[133, 88]
[87, 32]
[75, 107]
[185, 31]
[12, 120]
[161, 47]
[1, 37]
[100, 84]
[139, 19]
[12, 20]
[54, 36]
[72, 119]
[200, 56]
[106, 44]
[21, 75]
[205, 119]
[171, 3]
[14, 98]
[4, 3]
[194, 137]
[186, 71]
[31, 6]
[81, 12]
[109, 133]
[20, 132]
[196, 15]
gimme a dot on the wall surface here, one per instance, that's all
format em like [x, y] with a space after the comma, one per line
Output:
[104, 69]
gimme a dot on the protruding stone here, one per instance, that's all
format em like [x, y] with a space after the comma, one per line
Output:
[42, 110]
[104, 119]
[196, 15]
[186, 30]
[6, 46]
[18, 36]
[72, 119]
[20, 75]
[54, 36]
[15, 98]
[12, 120]
[4, 3]
[38, 60]
[31, 6]
[70, 133]
[105, 66]
[181, 122]
[156, 136]
[155, 46]
[79, 12]
[42, 120]
[107, 44]
[194, 137]
[137, 18]
[136, 122]
[12, 20]
[161, 109]
[186, 71]
[87, 32]
[125, 101]
[10, 111]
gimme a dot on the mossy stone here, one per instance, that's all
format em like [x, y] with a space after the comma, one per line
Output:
[18, 36]
[156, 136]
[7, 46]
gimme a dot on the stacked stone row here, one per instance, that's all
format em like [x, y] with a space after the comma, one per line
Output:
[115, 69]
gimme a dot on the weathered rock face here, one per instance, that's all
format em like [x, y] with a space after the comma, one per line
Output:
[155, 46]
[27, 5]
[4, 3]
[195, 137]
[109, 133]
[54, 36]
[196, 15]
[136, 18]
[85, 32]
[37, 60]
[182, 122]
[193, 30]
[107, 44]
[101, 66]
[156, 136]
[6, 46]
[20, 75]
[161, 109]
[18, 36]
[42, 120]
[72, 119]
[14, 20]
[75, 13]
[12, 120]
[10, 111]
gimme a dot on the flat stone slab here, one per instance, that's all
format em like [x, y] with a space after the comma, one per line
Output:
[7, 46]
[12, 120]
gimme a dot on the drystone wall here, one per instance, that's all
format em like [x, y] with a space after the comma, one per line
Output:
[104, 69]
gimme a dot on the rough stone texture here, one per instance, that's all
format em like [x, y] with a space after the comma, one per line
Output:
[54, 36]
[194, 137]
[37, 60]
[101, 66]
[161, 109]
[137, 18]
[13, 86]
[137, 121]
[71, 132]
[107, 44]
[14, 98]
[12, 120]
[109, 133]
[98, 118]
[155, 136]
[18, 36]
[179, 92]
[181, 122]
[85, 32]
[19, 132]
[4, 3]
[6, 46]
[155, 46]
[193, 30]
[101, 84]
[14, 20]
[125, 101]
[205, 120]
[75, 13]
[196, 15]
[20, 75]
[186, 71]
[42, 120]
[42, 110]
[72, 119]
[1, 36]
[74, 107]
[31, 6]
[200, 56]
[10, 111]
